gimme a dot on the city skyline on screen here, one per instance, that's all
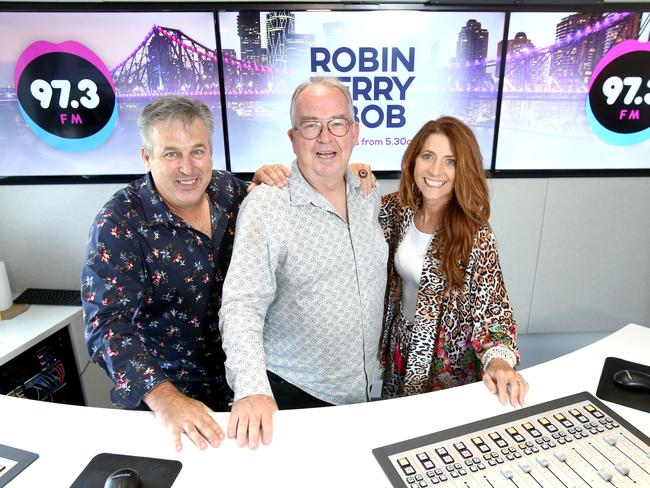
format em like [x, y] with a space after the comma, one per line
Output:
[546, 83]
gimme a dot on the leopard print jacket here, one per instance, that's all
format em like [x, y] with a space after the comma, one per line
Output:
[452, 331]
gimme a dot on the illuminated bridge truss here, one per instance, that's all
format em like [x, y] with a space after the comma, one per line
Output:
[166, 62]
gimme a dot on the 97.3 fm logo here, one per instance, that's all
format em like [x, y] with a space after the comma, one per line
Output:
[618, 104]
[66, 95]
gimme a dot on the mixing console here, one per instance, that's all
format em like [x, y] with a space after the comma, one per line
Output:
[574, 441]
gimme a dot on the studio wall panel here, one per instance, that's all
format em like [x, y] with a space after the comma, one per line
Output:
[593, 272]
[516, 218]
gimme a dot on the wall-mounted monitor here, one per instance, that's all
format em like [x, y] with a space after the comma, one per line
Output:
[560, 67]
[57, 61]
[403, 68]
[546, 92]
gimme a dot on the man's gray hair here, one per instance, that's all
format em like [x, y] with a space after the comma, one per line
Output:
[177, 109]
[323, 81]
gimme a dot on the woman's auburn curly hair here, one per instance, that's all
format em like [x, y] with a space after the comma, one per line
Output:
[469, 207]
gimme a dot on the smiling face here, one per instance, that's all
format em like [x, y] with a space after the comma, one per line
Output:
[325, 158]
[180, 163]
[435, 169]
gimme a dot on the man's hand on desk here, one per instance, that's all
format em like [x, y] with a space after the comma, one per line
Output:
[181, 414]
[502, 380]
[249, 416]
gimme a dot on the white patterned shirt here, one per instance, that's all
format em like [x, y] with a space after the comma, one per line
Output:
[304, 293]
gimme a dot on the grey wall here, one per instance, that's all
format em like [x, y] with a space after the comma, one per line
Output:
[575, 251]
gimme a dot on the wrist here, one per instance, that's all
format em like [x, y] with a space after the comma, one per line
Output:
[497, 363]
[161, 395]
[499, 352]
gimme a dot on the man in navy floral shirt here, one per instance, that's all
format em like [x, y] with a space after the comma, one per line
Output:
[156, 258]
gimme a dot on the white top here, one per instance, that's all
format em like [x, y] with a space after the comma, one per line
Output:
[319, 447]
[409, 260]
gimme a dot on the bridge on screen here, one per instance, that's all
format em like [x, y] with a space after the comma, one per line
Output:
[563, 69]
[169, 61]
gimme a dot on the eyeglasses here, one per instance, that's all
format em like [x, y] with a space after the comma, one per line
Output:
[311, 129]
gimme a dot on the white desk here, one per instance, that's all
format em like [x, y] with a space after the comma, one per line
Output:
[32, 326]
[325, 447]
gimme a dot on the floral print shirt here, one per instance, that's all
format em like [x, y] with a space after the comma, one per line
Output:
[151, 292]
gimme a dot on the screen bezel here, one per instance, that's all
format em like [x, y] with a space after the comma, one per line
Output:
[466, 6]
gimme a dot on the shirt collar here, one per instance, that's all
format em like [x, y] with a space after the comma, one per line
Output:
[302, 193]
[156, 210]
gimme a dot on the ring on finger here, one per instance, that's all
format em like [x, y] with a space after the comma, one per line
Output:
[363, 173]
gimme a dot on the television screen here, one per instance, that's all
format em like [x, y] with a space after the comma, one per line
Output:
[72, 85]
[576, 92]
[402, 67]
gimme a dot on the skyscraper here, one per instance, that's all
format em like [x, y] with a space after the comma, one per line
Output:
[522, 70]
[471, 51]
[279, 25]
[298, 51]
[248, 30]
[574, 61]
[627, 28]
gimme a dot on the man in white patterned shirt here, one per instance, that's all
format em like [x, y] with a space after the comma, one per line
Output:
[303, 298]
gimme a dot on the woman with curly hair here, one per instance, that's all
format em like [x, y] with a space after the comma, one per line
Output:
[448, 320]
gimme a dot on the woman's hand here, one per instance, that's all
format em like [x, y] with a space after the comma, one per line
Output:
[502, 380]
